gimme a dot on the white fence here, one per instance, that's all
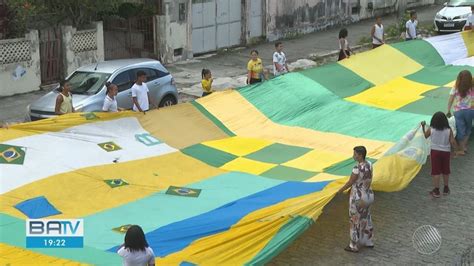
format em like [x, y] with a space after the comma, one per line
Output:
[20, 65]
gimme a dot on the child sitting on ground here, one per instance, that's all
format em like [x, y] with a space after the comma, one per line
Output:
[135, 251]
[442, 139]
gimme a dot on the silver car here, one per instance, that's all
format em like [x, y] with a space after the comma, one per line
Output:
[88, 86]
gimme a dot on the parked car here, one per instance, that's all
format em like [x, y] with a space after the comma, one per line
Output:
[88, 86]
[453, 16]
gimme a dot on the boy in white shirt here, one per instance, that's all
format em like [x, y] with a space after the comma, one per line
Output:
[279, 60]
[411, 27]
[140, 94]
[377, 33]
[470, 20]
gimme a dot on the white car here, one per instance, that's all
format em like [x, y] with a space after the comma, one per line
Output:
[453, 16]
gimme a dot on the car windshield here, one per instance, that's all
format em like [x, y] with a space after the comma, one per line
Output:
[461, 3]
[87, 82]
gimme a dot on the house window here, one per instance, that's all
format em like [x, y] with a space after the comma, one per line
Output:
[182, 12]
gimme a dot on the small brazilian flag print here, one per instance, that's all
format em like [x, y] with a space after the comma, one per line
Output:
[122, 229]
[11, 154]
[90, 116]
[109, 146]
[183, 191]
[113, 183]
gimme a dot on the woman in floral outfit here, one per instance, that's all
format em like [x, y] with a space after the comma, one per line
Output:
[360, 200]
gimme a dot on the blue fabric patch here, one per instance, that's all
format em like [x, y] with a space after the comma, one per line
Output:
[185, 263]
[36, 208]
[177, 236]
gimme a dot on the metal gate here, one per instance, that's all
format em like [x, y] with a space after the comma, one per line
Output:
[216, 24]
[129, 38]
[256, 22]
[50, 55]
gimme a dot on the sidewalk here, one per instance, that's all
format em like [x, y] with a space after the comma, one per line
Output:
[228, 67]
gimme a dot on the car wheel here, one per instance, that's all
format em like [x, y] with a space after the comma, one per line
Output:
[168, 101]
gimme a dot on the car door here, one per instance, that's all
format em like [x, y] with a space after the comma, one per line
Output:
[124, 83]
[154, 81]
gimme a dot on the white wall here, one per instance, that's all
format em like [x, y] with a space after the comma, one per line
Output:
[77, 48]
[20, 65]
[174, 34]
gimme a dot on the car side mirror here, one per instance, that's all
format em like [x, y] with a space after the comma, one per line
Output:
[445, 4]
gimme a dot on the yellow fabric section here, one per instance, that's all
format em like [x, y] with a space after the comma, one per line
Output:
[451, 84]
[27, 257]
[251, 234]
[70, 120]
[384, 178]
[250, 122]
[316, 161]
[247, 166]
[468, 37]
[86, 185]
[381, 65]
[392, 95]
[239, 146]
[324, 177]
[180, 126]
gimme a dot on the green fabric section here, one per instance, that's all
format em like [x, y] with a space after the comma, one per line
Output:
[288, 173]
[13, 233]
[216, 121]
[438, 76]
[287, 234]
[295, 100]
[209, 155]
[420, 51]
[160, 209]
[278, 153]
[338, 79]
[344, 168]
[433, 101]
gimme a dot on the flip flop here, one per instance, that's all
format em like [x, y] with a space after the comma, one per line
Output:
[349, 249]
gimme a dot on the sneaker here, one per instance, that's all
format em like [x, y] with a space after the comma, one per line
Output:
[446, 191]
[435, 193]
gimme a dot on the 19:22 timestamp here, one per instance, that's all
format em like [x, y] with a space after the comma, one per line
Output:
[54, 242]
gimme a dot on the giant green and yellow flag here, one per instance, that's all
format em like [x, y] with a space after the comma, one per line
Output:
[231, 178]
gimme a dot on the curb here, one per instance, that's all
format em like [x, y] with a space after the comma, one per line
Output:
[316, 56]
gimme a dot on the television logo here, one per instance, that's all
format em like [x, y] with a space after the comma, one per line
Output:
[55, 233]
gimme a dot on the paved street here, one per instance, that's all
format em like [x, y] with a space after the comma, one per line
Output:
[396, 216]
[230, 64]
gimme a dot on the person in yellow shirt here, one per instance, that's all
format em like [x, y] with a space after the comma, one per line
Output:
[206, 82]
[255, 68]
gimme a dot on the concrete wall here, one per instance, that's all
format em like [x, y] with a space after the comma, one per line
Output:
[292, 17]
[82, 47]
[174, 36]
[380, 7]
[288, 18]
[20, 65]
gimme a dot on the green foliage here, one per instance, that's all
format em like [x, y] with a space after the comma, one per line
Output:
[397, 29]
[26, 14]
[365, 40]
